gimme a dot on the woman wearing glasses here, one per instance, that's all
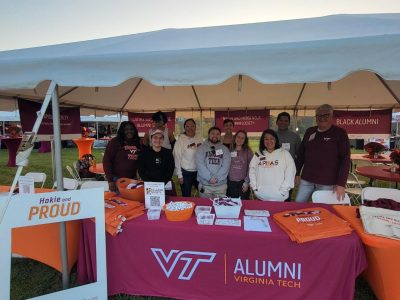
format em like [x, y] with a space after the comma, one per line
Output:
[272, 169]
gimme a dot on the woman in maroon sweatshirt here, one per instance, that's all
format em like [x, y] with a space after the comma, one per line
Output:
[121, 155]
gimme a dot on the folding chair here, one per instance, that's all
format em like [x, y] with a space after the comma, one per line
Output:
[354, 188]
[75, 175]
[69, 184]
[72, 173]
[374, 193]
[329, 197]
[94, 184]
[37, 177]
[361, 163]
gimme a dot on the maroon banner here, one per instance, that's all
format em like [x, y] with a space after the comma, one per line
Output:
[144, 123]
[70, 118]
[248, 120]
[364, 122]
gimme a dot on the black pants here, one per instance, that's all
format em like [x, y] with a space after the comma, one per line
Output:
[189, 180]
[235, 190]
[289, 199]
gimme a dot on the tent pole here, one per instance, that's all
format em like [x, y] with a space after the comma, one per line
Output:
[97, 130]
[23, 160]
[201, 123]
[52, 159]
[60, 183]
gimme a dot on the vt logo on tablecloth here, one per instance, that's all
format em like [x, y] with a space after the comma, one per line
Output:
[192, 260]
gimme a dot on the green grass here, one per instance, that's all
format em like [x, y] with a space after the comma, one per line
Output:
[30, 278]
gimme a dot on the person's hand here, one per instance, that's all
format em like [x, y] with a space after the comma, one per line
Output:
[297, 180]
[339, 192]
[180, 180]
[245, 187]
[213, 180]
[111, 186]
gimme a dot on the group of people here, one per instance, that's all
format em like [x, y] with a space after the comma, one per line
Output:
[224, 165]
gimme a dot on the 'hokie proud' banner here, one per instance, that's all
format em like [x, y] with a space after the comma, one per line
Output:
[70, 120]
[364, 124]
[144, 123]
[248, 120]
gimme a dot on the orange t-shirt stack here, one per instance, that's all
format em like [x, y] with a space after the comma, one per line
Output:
[310, 224]
[118, 210]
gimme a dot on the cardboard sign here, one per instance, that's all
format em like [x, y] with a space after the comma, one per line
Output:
[154, 194]
[36, 209]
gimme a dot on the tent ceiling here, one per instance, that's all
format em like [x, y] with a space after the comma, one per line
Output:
[358, 90]
[284, 64]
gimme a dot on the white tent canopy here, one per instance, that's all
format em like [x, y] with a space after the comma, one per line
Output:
[345, 60]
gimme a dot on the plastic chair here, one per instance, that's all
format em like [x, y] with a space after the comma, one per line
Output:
[374, 193]
[37, 177]
[329, 197]
[69, 184]
[94, 184]
[354, 188]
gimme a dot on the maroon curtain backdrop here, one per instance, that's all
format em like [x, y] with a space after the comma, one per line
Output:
[70, 118]
[364, 122]
[248, 120]
[143, 121]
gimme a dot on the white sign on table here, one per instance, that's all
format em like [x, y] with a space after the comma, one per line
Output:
[26, 185]
[154, 194]
[45, 208]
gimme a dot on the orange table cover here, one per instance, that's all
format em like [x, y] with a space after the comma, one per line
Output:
[97, 169]
[84, 145]
[42, 242]
[383, 254]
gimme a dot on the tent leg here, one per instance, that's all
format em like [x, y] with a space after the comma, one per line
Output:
[24, 161]
[60, 184]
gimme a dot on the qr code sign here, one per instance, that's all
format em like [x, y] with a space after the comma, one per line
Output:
[155, 201]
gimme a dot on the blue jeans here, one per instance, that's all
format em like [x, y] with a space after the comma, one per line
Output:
[189, 180]
[306, 189]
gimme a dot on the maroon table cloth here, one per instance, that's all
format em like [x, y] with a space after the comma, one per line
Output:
[12, 145]
[190, 261]
[378, 172]
[45, 147]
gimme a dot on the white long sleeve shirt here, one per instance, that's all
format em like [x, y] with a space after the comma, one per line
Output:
[184, 153]
[272, 174]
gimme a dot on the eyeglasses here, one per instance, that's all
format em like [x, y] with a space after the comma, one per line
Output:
[323, 116]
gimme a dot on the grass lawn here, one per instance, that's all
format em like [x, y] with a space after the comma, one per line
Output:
[30, 278]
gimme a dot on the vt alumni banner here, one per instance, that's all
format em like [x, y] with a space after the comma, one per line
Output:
[364, 124]
[248, 120]
[144, 123]
[70, 120]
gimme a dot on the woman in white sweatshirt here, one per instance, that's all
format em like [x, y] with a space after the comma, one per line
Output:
[184, 152]
[272, 169]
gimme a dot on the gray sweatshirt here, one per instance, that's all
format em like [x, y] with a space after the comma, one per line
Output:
[212, 160]
[289, 141]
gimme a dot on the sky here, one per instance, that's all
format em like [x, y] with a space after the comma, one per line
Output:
[31, 23]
